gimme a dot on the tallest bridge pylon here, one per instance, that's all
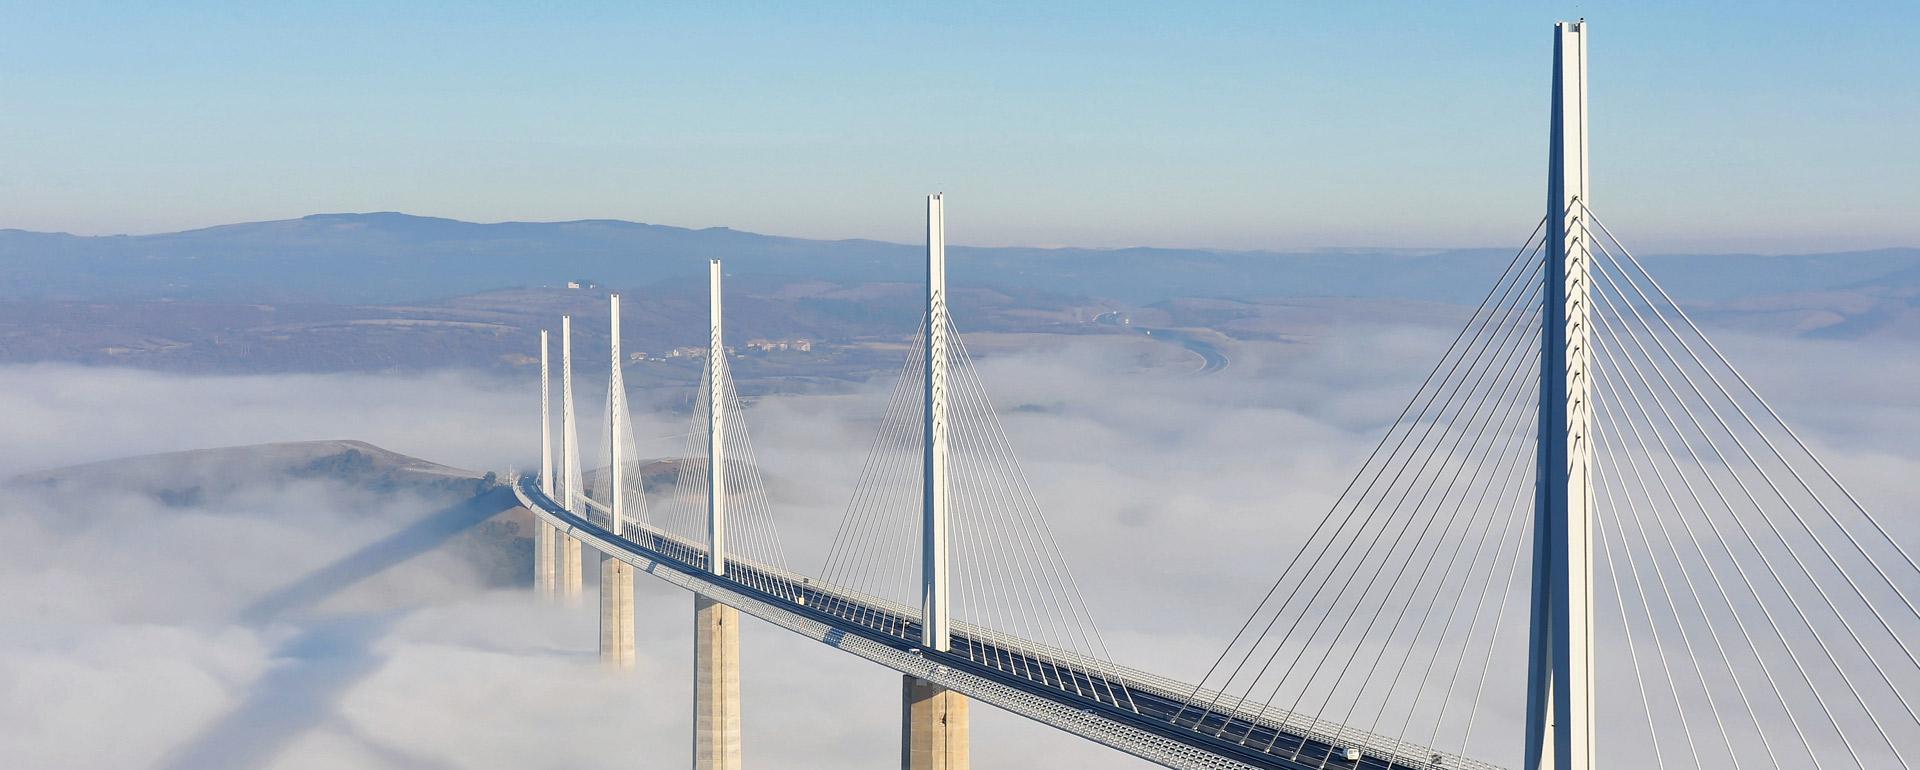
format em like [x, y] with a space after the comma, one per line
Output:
[1560, 659]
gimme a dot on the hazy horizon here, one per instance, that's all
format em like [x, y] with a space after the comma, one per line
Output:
[1723, 127]
[956, 242]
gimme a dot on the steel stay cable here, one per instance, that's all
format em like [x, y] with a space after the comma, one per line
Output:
[973, 450]
[994, 463]
[1479, 325]
[1660, 477]
[1405, 527]
[1605, 410]
[1701, 335]
[1520, 460]
[976, 413]
[759, 500]
[1466, 735]
[973, 585]
[688, 488]
[1820, 543]
[699, 494]
[633, 495]
[1521, 511]
[1791, 552]
[992, 558]
[875, 497]
[875, 456]
[1506, 415]
[1612, 461]
[1047, 553]
[984, 548]
[1479, 401]
[838, 547]
[1025, 608]
[1633, 654]
[1047, 556]
[874, 494]
[1766, 612]
[901, 539]
[670, 514]
[1444, 357]
[1492, 407]
[694, 489]
[744, 532]
[1000, 462]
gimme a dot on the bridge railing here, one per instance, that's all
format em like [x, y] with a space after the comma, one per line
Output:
[1248, 712]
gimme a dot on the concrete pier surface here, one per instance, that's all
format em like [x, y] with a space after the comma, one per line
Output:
[616, 613]
[571, 583]
[716, 685]
[544, 577]
[933, 726]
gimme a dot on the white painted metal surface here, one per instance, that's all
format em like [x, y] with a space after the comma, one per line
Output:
[716, 427]
[1560, 684]
[546, 420]
[935, 622]
[616, 423]
[569, 578]
[569, 438]
[543, 533]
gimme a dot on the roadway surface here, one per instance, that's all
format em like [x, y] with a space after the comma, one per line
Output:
[1146, 706]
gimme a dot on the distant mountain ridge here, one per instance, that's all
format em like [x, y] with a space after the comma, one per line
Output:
[389, 257]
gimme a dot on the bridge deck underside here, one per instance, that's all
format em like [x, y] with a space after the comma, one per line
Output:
[1213, 736]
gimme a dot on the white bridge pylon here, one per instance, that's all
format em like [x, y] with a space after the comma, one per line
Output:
[1560, 653]
[1583, 482]
[936, 628]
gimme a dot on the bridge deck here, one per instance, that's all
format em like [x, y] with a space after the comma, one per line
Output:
[1118, 707]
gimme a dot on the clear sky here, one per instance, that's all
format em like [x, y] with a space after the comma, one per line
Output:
[1717, 126]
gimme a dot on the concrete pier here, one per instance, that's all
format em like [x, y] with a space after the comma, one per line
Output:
[933, 726]
[616, 613]
[571, 583]
[716, 685]
[544, 535]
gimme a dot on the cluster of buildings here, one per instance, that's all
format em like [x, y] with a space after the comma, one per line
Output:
[700, 352]
[683, 352]
[769, 346]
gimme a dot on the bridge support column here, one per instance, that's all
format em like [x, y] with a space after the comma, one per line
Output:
[716, 685]
[616, 613]
[933, 726]
[544, 535]
[571, 582]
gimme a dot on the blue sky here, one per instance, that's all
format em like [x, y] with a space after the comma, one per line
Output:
[1751, 126]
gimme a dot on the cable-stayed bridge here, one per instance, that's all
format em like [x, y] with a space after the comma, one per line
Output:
[1586, 539]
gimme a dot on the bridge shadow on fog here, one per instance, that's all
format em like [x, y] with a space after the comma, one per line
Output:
[311, 671]
[417, 538]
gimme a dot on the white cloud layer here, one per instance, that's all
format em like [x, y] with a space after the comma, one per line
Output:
[1183, 494]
